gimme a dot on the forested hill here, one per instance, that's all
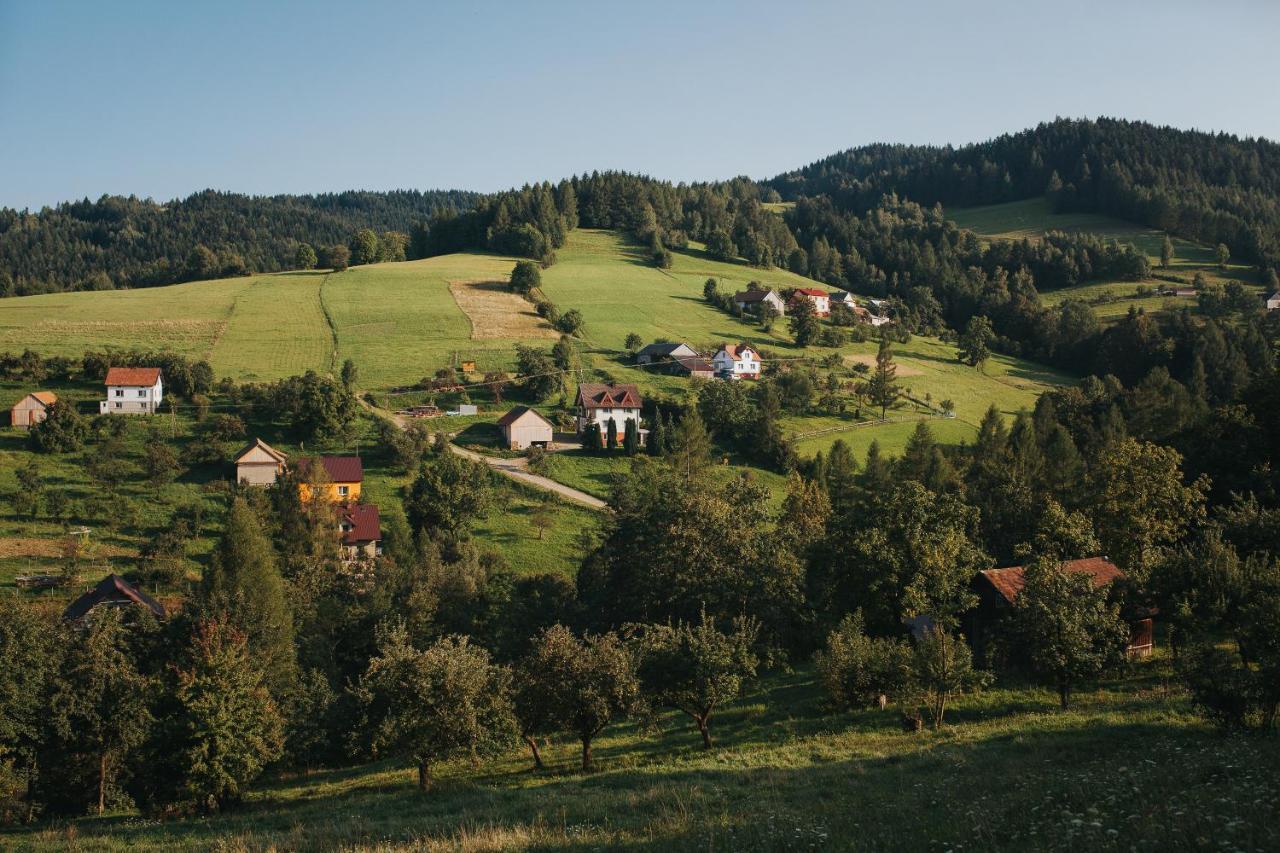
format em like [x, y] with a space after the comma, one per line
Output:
[130, 242]
[1208, 187]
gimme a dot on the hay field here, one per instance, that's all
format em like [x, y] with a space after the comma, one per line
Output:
[497, 313]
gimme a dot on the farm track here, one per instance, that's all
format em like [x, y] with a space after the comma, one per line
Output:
[328, 320]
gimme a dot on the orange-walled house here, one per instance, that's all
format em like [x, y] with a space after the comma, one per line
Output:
[345, 475]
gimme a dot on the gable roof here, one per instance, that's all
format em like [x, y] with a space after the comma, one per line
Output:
[363, 521]
[112, 589]
[597, 395]
[811, 291]
[734, 350]
[141, 376]
[519, 412]
[694, 364]
[46, 397]
[663, 349]
[751, 295]
[341, 469]
[259, 444]
[1010, 581]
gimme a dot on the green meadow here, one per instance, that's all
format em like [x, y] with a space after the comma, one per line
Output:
[1128, 767]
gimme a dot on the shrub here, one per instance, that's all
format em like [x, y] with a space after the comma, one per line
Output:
[856, 670]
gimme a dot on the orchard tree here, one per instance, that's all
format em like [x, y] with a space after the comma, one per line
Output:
[698, 668]
[942, 668]
[1070, 630]
[974, 345]
[858, 671]
[804, 323]
[447, 701]
[449, 492]
[62, 430]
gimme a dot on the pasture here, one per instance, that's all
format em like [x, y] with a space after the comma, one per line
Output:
[1128, 767]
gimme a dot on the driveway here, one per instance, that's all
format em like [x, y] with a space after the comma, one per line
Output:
[517, 469]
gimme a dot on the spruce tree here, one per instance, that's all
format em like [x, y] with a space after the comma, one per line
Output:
[690, 446]
[244, 583]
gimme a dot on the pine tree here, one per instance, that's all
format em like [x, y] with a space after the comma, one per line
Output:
[611, 434]
[244, 583]
[658, 435]
[690, 445]
[631, 438]
[882, 390]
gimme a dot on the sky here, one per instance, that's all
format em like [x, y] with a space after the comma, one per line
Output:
[163, 99]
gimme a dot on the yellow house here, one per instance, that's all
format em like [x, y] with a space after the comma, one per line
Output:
[343, 474]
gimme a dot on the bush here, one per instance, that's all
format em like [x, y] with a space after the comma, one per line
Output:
[858, 671]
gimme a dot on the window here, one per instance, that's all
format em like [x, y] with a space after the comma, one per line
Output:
[119, 392]
[142, 392]
[343, 490]
[119, 405]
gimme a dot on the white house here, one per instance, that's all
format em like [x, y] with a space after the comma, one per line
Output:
[737, 361]
[753, 301]
[598, 403]
[820, 298]
[842, 297]
[1273, 301]
[132, 391]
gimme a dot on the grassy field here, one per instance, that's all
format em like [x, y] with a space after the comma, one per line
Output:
[1029, 219]
[1127, 768]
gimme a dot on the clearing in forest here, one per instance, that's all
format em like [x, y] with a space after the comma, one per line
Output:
[495, 312]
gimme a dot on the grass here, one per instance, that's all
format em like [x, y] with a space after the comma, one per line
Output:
[1128, 767]
[1029, 219]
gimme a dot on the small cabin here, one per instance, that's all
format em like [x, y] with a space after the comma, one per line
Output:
[32, 409]
[259, 464]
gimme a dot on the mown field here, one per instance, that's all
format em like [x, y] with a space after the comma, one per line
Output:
[1031, 218]
[1129, 767]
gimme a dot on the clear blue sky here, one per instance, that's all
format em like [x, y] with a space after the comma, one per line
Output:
[162, 99]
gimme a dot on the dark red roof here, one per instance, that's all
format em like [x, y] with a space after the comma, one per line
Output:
[140, 376]
[734, 350]
[1010, 581]
[112, 589]
[341, 469]
[596, 395]
[359, 523]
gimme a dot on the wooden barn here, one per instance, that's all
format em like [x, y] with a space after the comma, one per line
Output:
[32, 409]
[998, 589]
[523, 427]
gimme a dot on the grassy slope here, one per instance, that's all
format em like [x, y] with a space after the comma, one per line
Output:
[1127, 768]
[1029, 219]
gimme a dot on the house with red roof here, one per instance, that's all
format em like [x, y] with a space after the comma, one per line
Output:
[338, 477]
[599, 403]
[820, 298]
[737, 361]
[360, 530]
[998, 589]
[132, 391]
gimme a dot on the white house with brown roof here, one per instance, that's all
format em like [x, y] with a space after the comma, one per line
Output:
[259, 464]
[598, 403]
[523, 427]
[737, 361]
[753, 301]
[132, 391]
[32, 409]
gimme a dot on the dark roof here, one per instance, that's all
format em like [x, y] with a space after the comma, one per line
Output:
[597, 395]
[141, 376]
[1010, 581]
[662, 349]
[112, 589]
[693, 364]
[341, 469]
[518, 412]
[751, 295]
[362, 519]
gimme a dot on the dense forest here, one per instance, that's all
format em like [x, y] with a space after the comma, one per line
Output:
[1208, 187]
[117, 242]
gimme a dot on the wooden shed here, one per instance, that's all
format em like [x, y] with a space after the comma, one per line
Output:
[259, 464]
[523, 427]
[32, 409]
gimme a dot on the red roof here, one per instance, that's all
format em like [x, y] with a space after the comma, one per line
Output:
[810, 291]
[359, 523]
[139, 376]
[1010, 581]
[341, 469]
[731, 350]
[596, 395]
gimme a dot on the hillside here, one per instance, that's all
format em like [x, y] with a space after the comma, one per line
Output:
[1031, 218]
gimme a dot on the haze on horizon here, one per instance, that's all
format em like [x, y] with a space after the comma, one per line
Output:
[161, 100]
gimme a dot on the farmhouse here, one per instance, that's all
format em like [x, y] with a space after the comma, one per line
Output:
[820, 299]
[523, 427]
[32, 409]
[664, 351]
[998, 589]
[132, 391]
[753, 301]
[842, 297]
[737, 361]
[259, 464]
[1273, 301]
[361, 531]
[112, 591]
[343, 476]
[598, 404]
